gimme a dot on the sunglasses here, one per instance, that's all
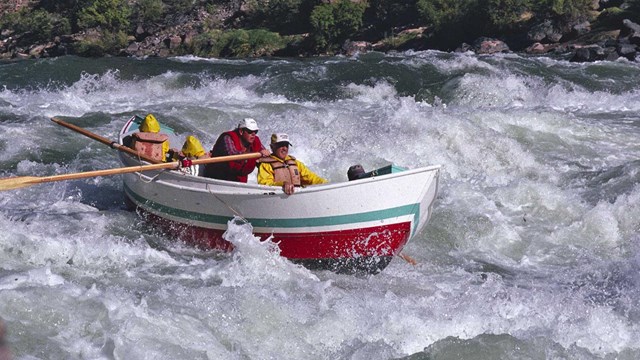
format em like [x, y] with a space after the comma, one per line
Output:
[250, 131]
[281, 144]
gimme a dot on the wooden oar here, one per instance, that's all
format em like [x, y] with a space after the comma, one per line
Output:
[408, 259]
[24, 181]
[112, 144]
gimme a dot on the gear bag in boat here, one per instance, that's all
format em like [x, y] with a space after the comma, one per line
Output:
[149, 144]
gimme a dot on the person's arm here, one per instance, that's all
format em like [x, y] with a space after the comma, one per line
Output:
[263, 151]
[307, 176]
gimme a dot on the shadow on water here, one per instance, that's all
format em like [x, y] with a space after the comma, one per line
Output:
[499, 346]
[608, 184]
[101, 196]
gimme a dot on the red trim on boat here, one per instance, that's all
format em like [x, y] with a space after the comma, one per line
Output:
[384, 240]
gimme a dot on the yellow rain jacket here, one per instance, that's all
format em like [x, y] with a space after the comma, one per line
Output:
[267, 175]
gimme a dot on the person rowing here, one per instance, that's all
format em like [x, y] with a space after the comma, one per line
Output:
[243, 139]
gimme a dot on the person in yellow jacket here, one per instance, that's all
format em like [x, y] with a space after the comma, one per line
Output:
[191, 150]
[282, 169]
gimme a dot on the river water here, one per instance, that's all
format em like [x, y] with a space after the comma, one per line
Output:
[533, 250]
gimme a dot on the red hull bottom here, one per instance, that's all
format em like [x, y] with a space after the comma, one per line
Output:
[366, 250]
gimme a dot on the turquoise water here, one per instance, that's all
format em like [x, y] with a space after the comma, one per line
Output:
[532, 251]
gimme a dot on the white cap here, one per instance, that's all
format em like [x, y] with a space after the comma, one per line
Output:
[281, 137]
[248, 123]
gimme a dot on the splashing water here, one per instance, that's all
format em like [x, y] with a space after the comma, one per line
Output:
[532, 250]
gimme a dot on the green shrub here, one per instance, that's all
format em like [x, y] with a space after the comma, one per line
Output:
[564, 8]
[453, 21]
[179, 6]
[443, 13]
[283, 16]
[111, 15]
[384, 15]
[150, 11]
[505, 14]
[35, 27]
[107, 43]
[334, 23]
[237, 43]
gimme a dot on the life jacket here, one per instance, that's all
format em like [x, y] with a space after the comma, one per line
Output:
[284, 170]
[149, 144]
[232, 170]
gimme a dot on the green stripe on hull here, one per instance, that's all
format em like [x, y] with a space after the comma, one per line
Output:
[413, 209]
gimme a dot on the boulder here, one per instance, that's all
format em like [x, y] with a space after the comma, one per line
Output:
[464, 47]
[593, 53]
[628, 51]
[630, 31]
[174, 41]
[537, 48]
[485, 45]
[545, 32]
[351, 48]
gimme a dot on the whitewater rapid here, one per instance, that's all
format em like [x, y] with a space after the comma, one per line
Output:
[532, 250]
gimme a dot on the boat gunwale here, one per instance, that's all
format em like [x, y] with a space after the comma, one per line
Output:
[257, 189]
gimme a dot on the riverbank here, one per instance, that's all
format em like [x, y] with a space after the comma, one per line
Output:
[607, 31]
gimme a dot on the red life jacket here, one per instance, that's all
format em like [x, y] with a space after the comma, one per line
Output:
[149, 144]
[232, 170]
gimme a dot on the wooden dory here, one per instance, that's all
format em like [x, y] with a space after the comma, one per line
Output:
[354, 226]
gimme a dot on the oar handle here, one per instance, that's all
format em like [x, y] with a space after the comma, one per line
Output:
[142, 168]
[104, 140]
[20, 182]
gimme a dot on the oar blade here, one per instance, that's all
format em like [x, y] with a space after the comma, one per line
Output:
[18, 182]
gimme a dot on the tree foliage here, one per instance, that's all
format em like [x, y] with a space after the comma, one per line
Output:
[330, 23]
[36, 26]
[150, 11]
[384, 15]
[570, 9]
[505, 14]
[112, 15]
[442, 13]
[283, 16]
[237, 43]
[336, 22]
[453, 21]
[107, 43]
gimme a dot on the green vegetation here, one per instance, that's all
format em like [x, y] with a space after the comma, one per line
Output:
[104, 43]
[37, 26]
[237, 43]
[150, 11]
[282, 16]
[507, 14]
[334, 23]
[112, 15]
[269, 27]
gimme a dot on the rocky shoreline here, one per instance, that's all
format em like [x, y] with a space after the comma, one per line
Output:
[575, 41]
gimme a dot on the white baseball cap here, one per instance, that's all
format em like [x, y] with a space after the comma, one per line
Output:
[248, 123]
[281, 137]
